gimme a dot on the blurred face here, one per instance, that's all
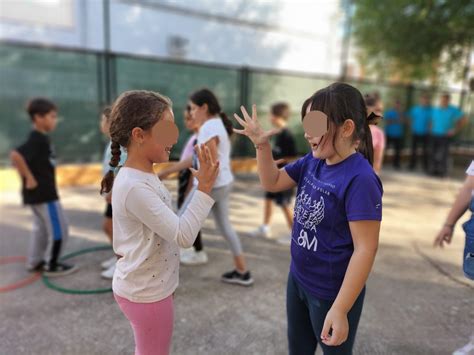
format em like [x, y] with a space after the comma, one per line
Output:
[424, 101]
[321, 146]
[189, 123]
[444, 101]
[105, 126]
[273, 119]
[159, 140]
[47, 122]
[199, 113]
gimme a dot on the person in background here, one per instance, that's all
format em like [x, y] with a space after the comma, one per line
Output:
[420, 118]
[446, 121]
[196, 255]
[394, 121]
[284, 149]
[35, 162]
[374, 104]
[107, 226]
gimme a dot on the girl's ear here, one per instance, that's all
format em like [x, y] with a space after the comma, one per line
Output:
[348, 128]
[138, 135]
[205, 107]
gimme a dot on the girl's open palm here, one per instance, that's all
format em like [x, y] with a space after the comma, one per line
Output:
[252, 128]
[208, 168]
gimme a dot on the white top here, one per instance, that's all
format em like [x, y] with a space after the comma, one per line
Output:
[147, 234]
[470, 170]
[214, 127]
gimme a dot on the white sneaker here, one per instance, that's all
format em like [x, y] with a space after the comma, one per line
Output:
[466, 349]
[261, 231]
[109, 262]
[109, 273]
[184, 253]
[284, 241]
[195, 258]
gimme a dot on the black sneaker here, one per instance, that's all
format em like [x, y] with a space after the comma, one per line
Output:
[235, 277]
[36, 268]
[59, 269]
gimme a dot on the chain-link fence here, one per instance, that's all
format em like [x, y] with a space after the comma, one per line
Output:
[80, 82]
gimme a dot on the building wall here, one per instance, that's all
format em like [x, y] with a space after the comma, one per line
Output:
[293, 35]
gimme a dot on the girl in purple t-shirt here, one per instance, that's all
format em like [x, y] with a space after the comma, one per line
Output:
[337, 217]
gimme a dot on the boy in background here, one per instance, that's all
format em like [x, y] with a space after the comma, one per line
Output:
[35, 163]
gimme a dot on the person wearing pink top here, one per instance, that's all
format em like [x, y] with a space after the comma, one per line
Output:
[378, 141]
[374, 104]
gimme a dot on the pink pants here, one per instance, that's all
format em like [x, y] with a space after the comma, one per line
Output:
[152, 324]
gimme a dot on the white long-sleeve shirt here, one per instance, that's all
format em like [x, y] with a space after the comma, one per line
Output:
[147, 234]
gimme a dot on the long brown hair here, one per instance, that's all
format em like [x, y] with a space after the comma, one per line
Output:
[136, 108]
[206, 96]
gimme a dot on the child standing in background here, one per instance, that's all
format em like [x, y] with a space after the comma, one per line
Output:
[107, 227]
[215, 130]
[195, 255]
[35, 162]
[283, 150]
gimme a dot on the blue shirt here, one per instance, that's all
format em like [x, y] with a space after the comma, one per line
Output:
[328, 197]
[394, 129]
[420, 117]
[444, 119]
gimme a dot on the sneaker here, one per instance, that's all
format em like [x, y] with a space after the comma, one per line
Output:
[36, 268]
[261, 231]
[59, 269]
[107, 264]
[184, 253]
[235, 277]
[466, 349]
[284, 241]
[109, 273]
[194, 258]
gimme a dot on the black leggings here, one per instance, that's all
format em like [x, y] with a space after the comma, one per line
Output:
[184, 179]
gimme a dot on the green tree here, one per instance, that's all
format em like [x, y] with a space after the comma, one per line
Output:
[414, 39]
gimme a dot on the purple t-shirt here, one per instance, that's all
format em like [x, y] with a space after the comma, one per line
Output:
[328, 197]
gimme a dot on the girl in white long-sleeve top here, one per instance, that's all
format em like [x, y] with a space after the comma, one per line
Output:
[147, 233]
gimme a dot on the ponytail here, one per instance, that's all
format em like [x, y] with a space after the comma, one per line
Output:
[227, 123]
[366, 147]
[108, 180]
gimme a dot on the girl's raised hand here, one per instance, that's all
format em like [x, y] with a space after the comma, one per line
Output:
[252, 128]
[208, 169]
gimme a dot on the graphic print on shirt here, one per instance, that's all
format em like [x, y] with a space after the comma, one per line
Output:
[309, 213]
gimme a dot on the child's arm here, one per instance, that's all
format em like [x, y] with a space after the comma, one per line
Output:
[460, 206]
[176, 167]
[271, 178]
[143, 203]
[20, 164]
[365, 235]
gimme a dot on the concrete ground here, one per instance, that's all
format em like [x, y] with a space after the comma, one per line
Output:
[417, 302]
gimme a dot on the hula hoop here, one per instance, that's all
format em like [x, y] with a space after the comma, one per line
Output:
[51, 285]
[23, 282]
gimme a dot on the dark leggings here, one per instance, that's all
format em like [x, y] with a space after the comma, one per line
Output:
[306, 315]
[184, 179]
